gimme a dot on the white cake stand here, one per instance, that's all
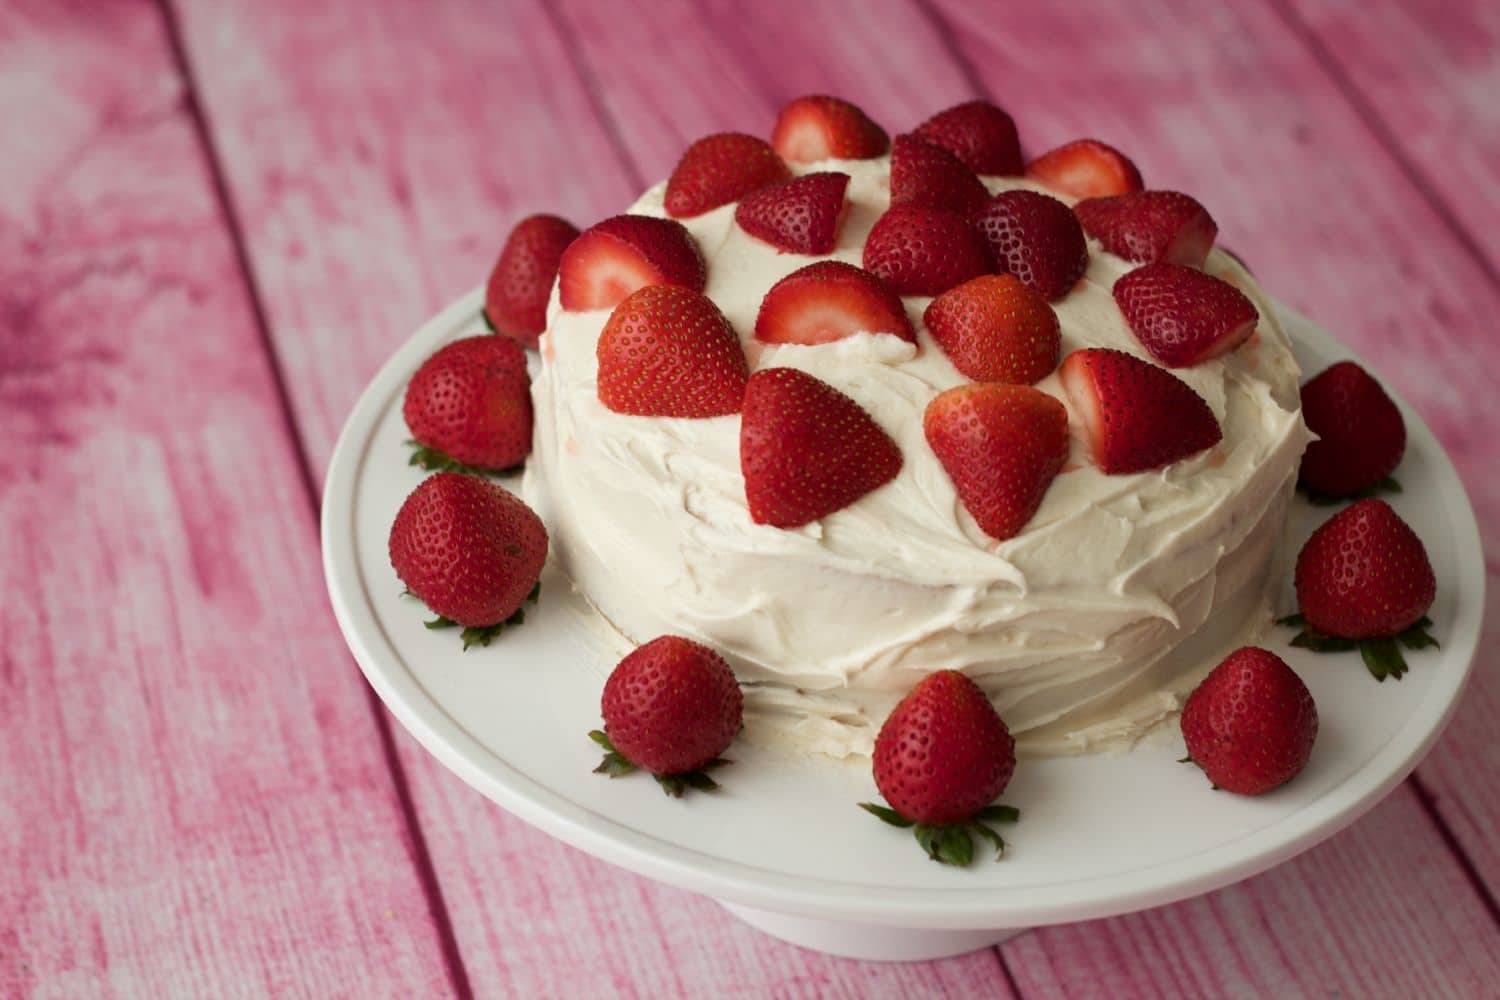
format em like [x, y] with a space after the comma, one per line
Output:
[782, 845]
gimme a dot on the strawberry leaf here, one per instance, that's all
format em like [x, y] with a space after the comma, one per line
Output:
[998, 814]
[1383, 658]
[951, 843]
[1417, 637]
[487, 324]
[615, 764]
[990, 835]
[432, 460]
[886, 814]
[947, 845]
[481, 635]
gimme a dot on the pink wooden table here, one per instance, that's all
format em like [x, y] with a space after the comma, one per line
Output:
[217, 217]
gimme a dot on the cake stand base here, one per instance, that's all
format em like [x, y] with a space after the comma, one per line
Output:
[870, 942]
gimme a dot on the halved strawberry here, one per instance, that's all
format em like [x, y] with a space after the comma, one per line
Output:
[818, 127]
[515, 297]
[980, 134]
[1136, 416]
[621, 254]
[669, 352]
[828, 301]
[920, 250]
[1146, 226]
[925, 174]
[718, 169]
[1085, 168]
[799, 216]
[995, 329]
[1002, 445]
[1036, 238]
[807, 450]
[1182, 316]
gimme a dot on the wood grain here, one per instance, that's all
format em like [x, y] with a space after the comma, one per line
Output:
[195, 800]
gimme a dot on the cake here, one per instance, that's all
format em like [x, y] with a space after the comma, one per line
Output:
[1086, 629]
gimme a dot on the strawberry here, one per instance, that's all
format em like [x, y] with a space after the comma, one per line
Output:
[670, 707]
[807, 450]
[468, 407]
[1251, 724]
[1146, 226]
[1085, 168]
[621, 254]
[1136, 416]
[995, 329]
[1183, 317]
[719, 169]
[1363, 579]
[471, 551]
[1361, 436]
[515, 298]
[1002, 445]
[942, 757]
[1036, 238]
[799, 216]
[669, 352]
[817, 127]
[924, 174]
[919, 250]
[978, 133]
[828, 301]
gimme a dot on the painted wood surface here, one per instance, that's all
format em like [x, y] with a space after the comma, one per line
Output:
[373, 155]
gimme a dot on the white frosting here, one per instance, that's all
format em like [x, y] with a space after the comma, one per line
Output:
[1085, 629]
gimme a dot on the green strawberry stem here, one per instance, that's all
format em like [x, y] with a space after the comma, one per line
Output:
[615, 764]
[487, 324]
[482, 634]
[432, 460]
[951, 843]
[1386, 485]
[1382, 656]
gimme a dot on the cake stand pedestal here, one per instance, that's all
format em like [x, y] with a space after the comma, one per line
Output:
[871, 942]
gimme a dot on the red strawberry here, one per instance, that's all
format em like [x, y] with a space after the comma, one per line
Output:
[1135, 416]
[621, 254]
[469, 406]
[1364, 579]
[1002, 445]
[670, 707]
[978, 133]
[919, 250]
[1085, 168]
[515, 298]
[1183, 317]
[828, 301]
[1361, 436]
[1251, 724]
[1036, 238]
[719, 169]
[817, 127]
[1146, 226]
[942, 757]
[807, 450]
[924, 174]
[995, 329]
[669, 352]
[800, 216]
[471, 551]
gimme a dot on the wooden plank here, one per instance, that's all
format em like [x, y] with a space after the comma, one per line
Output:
[196, 802]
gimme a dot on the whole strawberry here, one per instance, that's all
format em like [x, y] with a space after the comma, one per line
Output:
[942, 757]
[515, 298]
[1251, 724]
[1361, 436]
[470, 551]
[670, 707]
[1363, 579]
[468, 406]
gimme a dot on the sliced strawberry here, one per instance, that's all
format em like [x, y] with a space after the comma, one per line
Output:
[1146, 226]
[621, 254]
[818, 127]
[828, 301]
[515, 297]
[995, 329]
[1036, 238]
[807, 450]
[1136, 416]
[978, 133]
[719, 169]
[1002, 445]
[1085, 168]
[669, 352]
[1182, 316]
[1361, 436]
[924, 251]
[800, 216]
[925, 174]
